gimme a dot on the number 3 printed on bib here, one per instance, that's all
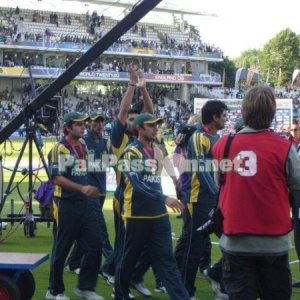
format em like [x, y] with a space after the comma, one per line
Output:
[247, 163]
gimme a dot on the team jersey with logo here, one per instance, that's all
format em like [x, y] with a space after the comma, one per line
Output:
[69, 161]
[201, 185]
[141, 182]
[97, 170]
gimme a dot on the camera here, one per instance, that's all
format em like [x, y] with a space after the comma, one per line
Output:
[187, 131]
[214, 224]
[186, 128]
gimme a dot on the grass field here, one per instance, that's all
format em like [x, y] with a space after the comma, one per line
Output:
[13, 240]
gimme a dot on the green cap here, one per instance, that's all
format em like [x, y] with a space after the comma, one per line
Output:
[74, 117]
[146, 118]
[96, 114]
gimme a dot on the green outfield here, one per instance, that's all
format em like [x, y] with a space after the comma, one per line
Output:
[13, 239]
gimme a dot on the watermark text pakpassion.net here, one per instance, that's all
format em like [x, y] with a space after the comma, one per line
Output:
[244, 163]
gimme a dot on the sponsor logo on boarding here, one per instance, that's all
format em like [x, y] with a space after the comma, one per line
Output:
[175, 77]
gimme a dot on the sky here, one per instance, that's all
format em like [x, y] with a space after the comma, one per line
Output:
[241, 25]
[238, 26]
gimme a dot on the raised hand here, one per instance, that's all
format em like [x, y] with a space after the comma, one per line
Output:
[141, 79]
[132, 73]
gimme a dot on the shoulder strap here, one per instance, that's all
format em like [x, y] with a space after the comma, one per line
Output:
[221, 179]
[225, 155]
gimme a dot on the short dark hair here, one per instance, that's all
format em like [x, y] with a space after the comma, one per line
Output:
[136, 108]
[133, 111]
[69, 124]
[259, 107]
[210, 109]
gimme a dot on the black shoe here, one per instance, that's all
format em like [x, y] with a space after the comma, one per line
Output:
[296, 284]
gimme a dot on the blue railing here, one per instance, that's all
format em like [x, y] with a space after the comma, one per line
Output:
[117, 48]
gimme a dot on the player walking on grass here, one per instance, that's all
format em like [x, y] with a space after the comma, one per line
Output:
[75, 217]
[145, 214]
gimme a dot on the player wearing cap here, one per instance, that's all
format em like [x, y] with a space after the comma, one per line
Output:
[123, 133]
[145, 214]
[97, 146]
[75, 218]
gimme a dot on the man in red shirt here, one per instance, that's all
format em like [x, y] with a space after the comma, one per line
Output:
[254, 200]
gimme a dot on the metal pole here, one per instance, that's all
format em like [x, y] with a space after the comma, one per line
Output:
[137, 13]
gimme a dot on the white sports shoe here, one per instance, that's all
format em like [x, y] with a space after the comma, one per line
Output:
[48, 295]
[76, 271]
[221, 296]
[89, 295]
[109, 278]
[141, 288]
[62, 296]
[215, 286]
[160, 289]
[129, 295]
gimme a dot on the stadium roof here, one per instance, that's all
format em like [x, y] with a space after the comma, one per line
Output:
[164, 6]
[79, 6]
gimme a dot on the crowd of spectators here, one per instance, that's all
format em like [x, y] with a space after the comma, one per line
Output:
[67, 19]
[109, 101]
[93, 22]
[122, 45]
[289, 93]
[143, 30]
[37, 17]
[8, 23]
[54, 19]
[9, 107]
[99, 65]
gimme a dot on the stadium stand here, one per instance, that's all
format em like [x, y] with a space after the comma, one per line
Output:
[51, 41]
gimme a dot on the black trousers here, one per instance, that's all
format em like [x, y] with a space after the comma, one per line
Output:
[250, 277]
[54, 230]
[192, 245]
[76, 256]
[142, 266]
[77, 220]
[112, 261]
[296, 224]
[155, 234]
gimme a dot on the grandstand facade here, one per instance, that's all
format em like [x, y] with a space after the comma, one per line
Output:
[44, 43]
